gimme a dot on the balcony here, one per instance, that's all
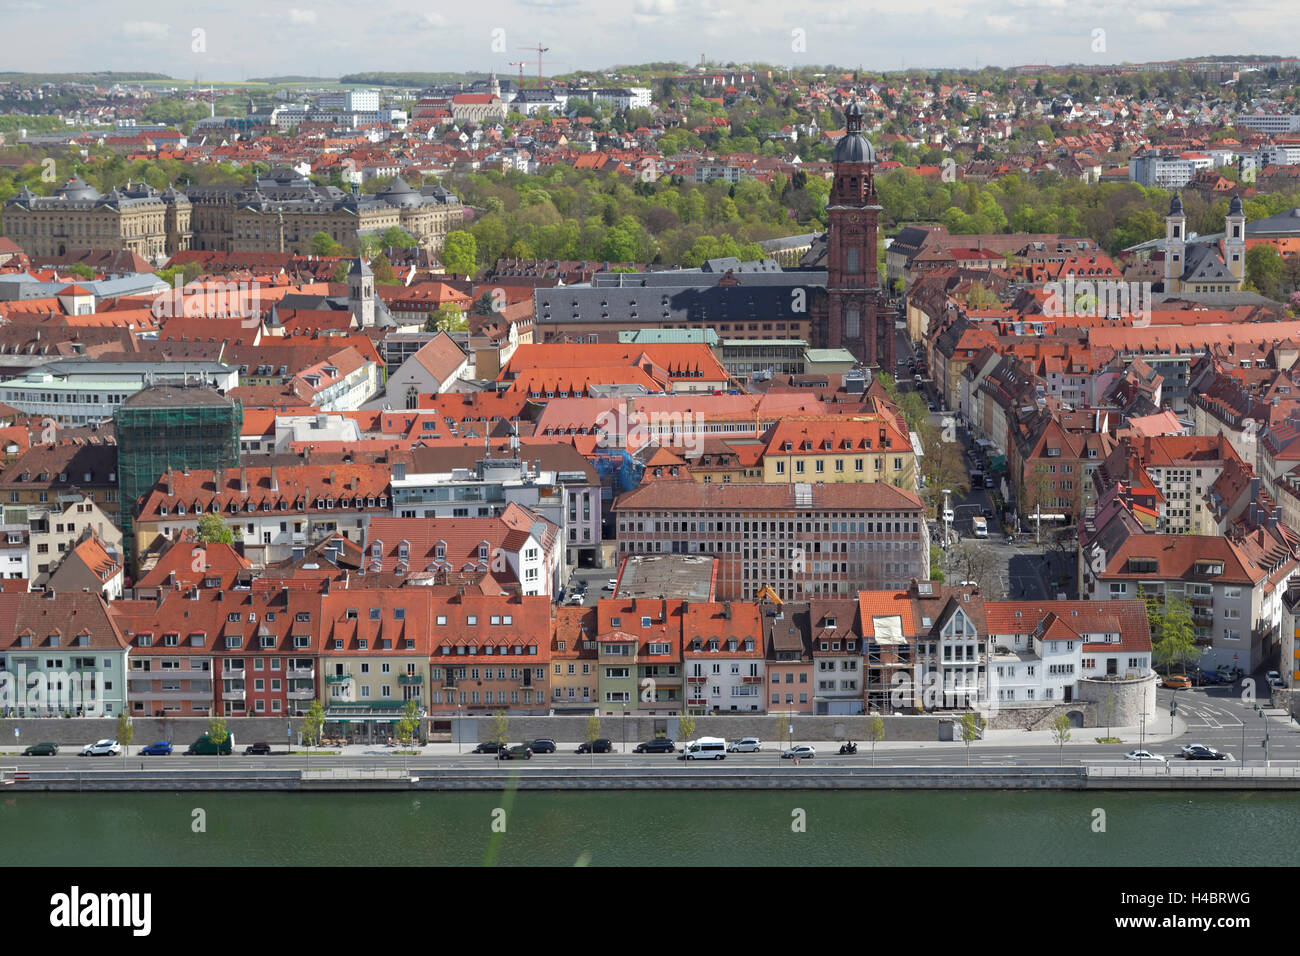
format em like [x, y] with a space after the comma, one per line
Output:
[302, 694]
[233, 674]
[240, 694]
[696, 680]
[410, 678]
[697, 701]
[337, 678]
[144, 691]
[752, 679]
[301, 673]
[1207, 602]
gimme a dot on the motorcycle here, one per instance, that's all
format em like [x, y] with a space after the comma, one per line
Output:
[848, 748]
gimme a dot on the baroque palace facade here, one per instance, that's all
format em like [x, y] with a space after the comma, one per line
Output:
[276, 214]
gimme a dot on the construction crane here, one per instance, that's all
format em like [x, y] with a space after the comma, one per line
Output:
[521, 64]
[539, 50]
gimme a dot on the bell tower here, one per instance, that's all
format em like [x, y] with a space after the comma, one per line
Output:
[852, 282]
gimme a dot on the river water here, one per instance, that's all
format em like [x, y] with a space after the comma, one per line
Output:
[677, 828]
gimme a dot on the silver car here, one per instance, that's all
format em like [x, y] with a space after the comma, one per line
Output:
[102, 748]
[746, 745]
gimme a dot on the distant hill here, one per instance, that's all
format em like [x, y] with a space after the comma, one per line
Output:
[292, 79]
[409, 79]
[105, 76]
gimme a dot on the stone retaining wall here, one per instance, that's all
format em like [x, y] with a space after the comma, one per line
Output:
[181, 731]
[769, 728]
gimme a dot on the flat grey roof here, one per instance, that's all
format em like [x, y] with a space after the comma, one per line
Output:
[687, 576]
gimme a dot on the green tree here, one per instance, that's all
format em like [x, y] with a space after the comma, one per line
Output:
[214, 530]
[1061, 732]
[447, 318]
[218, 733]
[395, 237]
[591, 734]
[409, 724]
[1177, 641]
[499, 728]
[313, 723]
[384, 272]
[686, 727]
[323, 244]
[81, 269]
[970, 732]
[875, 733]
[1264, 270]
[460, 253]
[125, 731]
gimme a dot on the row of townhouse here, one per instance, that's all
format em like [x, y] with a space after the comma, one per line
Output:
[275, 647]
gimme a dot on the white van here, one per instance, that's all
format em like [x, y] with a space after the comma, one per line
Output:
[707, 748]
[980, 526]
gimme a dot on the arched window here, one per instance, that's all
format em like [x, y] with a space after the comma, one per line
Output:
[412, 397]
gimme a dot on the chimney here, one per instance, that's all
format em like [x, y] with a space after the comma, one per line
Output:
[663, 610]
[169, 485]
[332, 482]
[726, 610]
[275, 481]
[217, 475]
[243, 480]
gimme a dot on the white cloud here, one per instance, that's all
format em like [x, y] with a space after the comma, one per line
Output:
[145, 30]
[302, 17]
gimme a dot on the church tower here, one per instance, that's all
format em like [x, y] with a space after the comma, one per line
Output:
[1175, 245]
[1234, 240]
[852, 282]
[361, 292]
[494, 85]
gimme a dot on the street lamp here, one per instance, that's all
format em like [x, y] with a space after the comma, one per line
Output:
[623, 704]
[288, 738]
[458, 728]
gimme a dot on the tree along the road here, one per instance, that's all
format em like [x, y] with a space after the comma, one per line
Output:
[1061, 732]
[1173, 634]
[970, 732]
[125, 731]
[499, 729]
[313, 723]
[875, 733]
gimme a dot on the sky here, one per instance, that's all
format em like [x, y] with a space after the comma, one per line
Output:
[237, 39]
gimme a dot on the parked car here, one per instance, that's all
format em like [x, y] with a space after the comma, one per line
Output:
[204, 747]
[611, 584]
[1177, 682]
[1202, 752]
[803, 752]
[488, 747]
[517, 752]
[102, 748]
[601, 746]
[259, 749]
[159, 749]
[543, 745]
[42, 750]
[746, 745]
[660, 745]
[1143, 755]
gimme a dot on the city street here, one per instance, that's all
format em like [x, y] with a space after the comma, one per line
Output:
[1218, 717]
